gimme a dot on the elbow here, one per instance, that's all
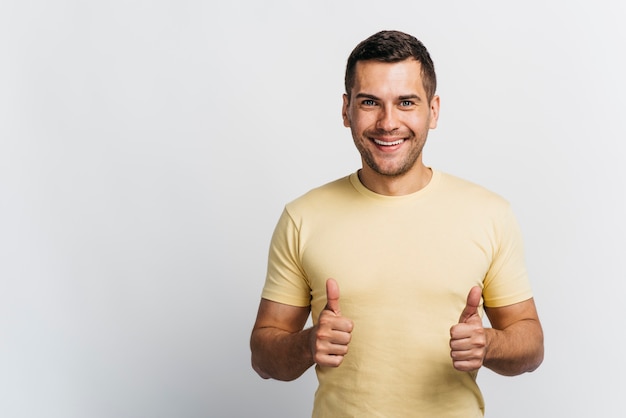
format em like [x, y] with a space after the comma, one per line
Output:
[276, 374]
[259, 370]
[538, 352]
[255, 360]
[535, 352]
[533, 359]
[538, 359]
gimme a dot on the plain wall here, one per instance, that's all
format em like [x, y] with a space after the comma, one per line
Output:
[148, 147]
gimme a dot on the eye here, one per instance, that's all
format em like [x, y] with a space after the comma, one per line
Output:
[406, 103]
[368, 102]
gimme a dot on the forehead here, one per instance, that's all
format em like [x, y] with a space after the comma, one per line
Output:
[376, 77]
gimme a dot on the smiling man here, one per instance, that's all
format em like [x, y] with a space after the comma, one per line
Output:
[396, 263]
[390, 115]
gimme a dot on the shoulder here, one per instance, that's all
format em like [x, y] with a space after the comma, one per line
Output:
[325, 194]
[462, 188]
[457, 184]
[471, 198]
[323, 203]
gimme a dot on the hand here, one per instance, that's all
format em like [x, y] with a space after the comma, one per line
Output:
[332, 334]
[468, 342]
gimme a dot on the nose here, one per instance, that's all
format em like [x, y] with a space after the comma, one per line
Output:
[387, 119]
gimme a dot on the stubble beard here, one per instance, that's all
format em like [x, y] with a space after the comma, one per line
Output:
[395, 170]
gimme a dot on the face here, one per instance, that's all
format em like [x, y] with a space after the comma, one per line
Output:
[389, 115]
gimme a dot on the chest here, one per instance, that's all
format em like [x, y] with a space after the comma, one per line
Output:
[411, 256]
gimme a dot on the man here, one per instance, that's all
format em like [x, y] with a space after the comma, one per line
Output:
[396, 263]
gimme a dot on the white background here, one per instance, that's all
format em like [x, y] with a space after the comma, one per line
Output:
[148, 147]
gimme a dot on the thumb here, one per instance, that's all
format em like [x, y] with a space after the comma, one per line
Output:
[332, 296]
[471, 306]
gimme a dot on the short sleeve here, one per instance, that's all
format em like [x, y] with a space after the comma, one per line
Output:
[286, 280]
[507, 280]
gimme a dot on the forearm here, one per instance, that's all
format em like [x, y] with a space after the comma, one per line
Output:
[280, 354]
[516, 349]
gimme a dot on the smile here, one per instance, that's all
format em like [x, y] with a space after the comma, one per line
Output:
[388, 144]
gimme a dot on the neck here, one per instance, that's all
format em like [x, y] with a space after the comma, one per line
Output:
[410, 182]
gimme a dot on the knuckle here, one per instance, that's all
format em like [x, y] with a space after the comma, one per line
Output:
[337, 360]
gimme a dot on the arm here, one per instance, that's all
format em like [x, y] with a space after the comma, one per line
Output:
[514, 344]
[283, 350]
[515, 341]
[280, 347]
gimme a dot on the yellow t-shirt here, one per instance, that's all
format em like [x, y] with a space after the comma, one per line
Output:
[404, 265]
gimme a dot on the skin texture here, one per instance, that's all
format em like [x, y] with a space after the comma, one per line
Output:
[389, 115]
[388, 103]
[513, 345]
[282, 350]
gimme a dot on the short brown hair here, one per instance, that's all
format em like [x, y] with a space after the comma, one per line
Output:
[392, 46]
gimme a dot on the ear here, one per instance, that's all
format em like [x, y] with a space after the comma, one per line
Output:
[344, 111]
[434, 112]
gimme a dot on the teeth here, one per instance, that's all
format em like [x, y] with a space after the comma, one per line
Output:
[383, 143]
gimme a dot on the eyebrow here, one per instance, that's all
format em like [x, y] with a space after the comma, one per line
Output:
[403, 97]
[411, 96]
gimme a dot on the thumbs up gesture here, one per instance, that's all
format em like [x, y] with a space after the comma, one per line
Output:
[332, 334]
[468, 342]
